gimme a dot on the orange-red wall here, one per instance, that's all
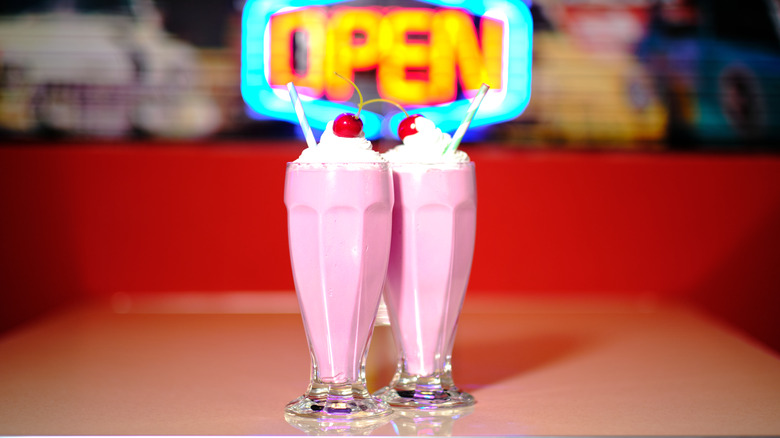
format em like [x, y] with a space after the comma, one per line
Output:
[93, 220]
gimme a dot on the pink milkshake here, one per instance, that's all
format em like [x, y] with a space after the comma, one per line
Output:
[434, 226]
[339, 219]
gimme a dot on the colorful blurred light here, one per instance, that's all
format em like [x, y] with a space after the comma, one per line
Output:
[447, 50]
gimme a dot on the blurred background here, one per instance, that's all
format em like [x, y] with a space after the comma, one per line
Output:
[607, 74]
[645, 165]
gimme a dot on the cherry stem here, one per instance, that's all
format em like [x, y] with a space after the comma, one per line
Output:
[360, 95]
[388, 101]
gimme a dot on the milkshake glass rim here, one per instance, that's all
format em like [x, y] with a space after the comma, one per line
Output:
[441, 166]
[351, 165]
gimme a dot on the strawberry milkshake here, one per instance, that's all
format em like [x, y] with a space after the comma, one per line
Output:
[339, 202]
[434, 225]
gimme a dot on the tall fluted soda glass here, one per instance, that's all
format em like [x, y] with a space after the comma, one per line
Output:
[339, 223]
[434, 227]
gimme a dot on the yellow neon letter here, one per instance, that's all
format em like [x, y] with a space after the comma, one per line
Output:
[311, 22]
[476, 65]
[352, 45]
[414, 68]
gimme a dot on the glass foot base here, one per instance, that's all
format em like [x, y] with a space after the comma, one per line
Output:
[416, 398]
[325, 402]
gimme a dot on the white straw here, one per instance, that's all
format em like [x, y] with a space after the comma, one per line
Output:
[296, 101]
[464, 125]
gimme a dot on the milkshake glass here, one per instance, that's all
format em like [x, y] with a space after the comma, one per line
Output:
[434, 226]
[339, 219]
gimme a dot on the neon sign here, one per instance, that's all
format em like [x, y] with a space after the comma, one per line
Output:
[421, 56]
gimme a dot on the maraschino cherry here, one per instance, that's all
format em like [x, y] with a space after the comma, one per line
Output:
[349, 125]
[408, 126]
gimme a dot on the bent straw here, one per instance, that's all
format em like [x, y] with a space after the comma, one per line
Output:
[464, 125]
[296, 101]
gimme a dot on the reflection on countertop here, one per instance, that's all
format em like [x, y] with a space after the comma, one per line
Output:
[336, 427]
[439, 422]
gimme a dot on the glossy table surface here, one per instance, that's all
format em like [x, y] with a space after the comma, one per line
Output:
[226, 365]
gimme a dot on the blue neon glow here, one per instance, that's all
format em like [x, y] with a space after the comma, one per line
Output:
[498, 106]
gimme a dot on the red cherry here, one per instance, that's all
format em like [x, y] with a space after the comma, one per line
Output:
[407, 126]
[347, 125]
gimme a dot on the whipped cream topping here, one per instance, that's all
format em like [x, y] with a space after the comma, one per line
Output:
[426, 146]
[335, 149]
